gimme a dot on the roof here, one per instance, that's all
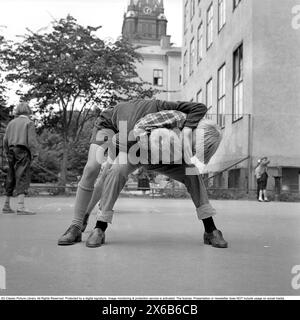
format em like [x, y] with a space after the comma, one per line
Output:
[158, 50]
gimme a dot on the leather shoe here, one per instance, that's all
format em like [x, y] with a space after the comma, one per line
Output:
[96, 238]
[215, 239]
[71, 236]
[25, 212]
[7, 209]
[85, 222]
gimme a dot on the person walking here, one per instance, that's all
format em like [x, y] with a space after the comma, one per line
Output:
[20, 149]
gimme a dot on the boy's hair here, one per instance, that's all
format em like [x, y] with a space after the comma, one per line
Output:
[207, 138]
[23, 109]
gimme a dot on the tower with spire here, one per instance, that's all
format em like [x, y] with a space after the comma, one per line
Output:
[144, 22]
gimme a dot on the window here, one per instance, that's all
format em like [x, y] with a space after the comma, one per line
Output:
[200, 43]
[209, 29]
[192, 56]
[221, 96]
[221, 14]
[185, 15]
[192, 9]
[158, 77]
[209, 98]
[236, 3]
[238, 83]
[185, 67]
[200, 96]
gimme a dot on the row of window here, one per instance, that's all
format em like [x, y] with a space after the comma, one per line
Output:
[196, 47]
[190, 5]
[237, 107]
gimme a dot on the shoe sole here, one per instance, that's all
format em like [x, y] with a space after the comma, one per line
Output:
[66, 243]
[207, 242]
[21, 213]
[95, 245]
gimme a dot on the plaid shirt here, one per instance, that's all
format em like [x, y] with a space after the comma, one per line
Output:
[169, 119]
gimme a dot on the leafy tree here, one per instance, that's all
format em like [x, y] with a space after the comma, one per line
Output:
[69, 71]
[4, 112]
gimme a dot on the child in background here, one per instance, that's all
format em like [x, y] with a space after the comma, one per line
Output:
[261, 173]
[20, 148]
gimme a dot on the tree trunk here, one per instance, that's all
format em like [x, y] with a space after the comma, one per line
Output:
[64, 164]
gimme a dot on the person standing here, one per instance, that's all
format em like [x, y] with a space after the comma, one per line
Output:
[20, 149]
[261, 173]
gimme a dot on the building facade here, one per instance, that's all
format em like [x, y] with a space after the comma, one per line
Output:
[145, 26]
[242, 59]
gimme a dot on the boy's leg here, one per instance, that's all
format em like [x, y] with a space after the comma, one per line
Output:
[265, 192]
[86, 186]
[10, 182]
[96, 196]
[22, 169]
[114, 182]
[260, 194]
[83, 196]
[197, 190]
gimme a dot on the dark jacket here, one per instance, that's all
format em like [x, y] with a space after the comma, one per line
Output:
[21, 131]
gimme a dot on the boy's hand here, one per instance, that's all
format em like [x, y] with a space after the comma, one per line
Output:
[187, 144]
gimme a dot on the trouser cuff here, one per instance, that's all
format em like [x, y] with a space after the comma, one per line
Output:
[105, 216]
[78, 223]
[205, 211]
[85, 188]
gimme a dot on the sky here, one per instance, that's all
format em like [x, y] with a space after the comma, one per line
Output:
[17, 15]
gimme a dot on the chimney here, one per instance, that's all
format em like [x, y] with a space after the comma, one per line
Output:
[165, 42]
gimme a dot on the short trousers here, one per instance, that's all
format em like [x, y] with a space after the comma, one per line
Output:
[262, 184]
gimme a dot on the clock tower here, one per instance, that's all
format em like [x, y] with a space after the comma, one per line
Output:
[144, 22]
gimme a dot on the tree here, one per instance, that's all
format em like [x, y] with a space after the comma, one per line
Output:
[4, 112]
[69, 71]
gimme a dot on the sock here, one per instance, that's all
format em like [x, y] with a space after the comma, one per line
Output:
[83, 197]
[21, 202]
[101, 225]
[209, 225]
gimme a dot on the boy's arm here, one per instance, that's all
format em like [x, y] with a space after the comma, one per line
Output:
[163, 119]
[32, 140]
[195, 111]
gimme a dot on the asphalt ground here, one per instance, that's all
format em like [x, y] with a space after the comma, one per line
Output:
[154, 248]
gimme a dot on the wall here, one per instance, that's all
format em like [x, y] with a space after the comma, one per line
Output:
[276, 82]
[238, 28]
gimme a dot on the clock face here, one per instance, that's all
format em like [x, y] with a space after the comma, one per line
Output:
[147, 10]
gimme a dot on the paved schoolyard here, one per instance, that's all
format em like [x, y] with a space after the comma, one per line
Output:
[154, 247]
